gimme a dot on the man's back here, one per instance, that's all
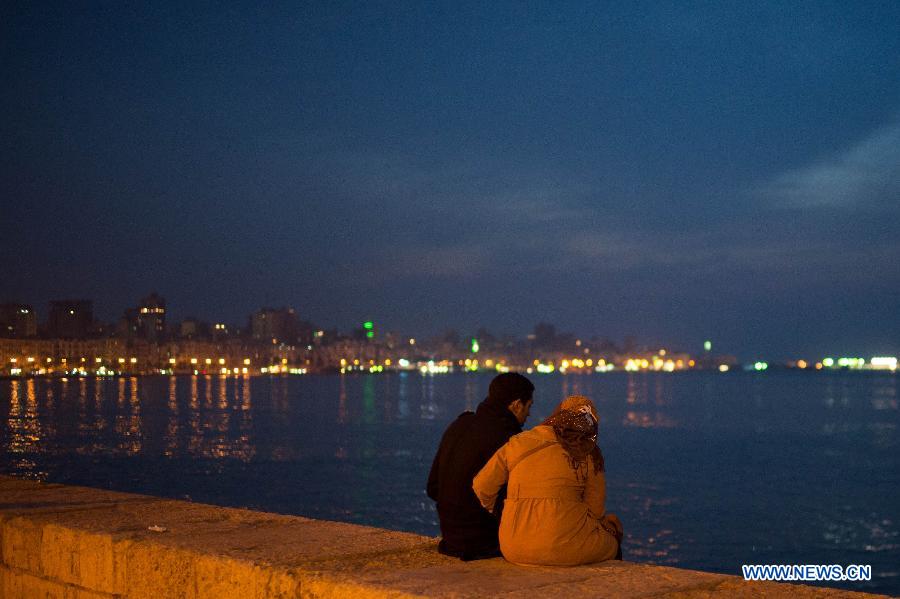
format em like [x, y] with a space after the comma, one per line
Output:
[470, 532]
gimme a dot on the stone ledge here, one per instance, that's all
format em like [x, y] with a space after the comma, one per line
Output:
[79, 543]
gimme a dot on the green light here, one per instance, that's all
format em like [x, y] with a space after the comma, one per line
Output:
[368, 325]
[760, 366]
[370, 334]
[707, 345]
[828, 362]
[475, 346]
[851, 362]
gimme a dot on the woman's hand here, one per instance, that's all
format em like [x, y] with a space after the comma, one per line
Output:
[614, 521]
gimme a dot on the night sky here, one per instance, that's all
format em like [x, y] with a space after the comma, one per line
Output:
[672, 171]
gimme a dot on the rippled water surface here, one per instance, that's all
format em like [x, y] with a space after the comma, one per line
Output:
[706, 470]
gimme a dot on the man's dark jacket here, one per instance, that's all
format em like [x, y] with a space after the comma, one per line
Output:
[468, 530]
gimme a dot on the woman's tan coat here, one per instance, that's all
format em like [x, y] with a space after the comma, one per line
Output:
[551, 515]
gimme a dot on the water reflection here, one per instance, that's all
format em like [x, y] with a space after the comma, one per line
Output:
[213, 416]
[644, 410]
[402, 397]
[429, 409]
[884, 395]
[128, 423]
[24, 428]
[342, 401]
[368, 398]
[173, 424]
[471, 392]
[656, 542]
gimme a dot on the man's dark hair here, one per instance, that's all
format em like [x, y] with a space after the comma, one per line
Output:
[508, 387]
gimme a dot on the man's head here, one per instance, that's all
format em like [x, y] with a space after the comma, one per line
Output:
[515, 392]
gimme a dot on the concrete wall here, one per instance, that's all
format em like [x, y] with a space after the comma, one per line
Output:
[76, 543]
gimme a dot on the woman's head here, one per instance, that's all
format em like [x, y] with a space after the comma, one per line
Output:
[575, 423]
[576, 403]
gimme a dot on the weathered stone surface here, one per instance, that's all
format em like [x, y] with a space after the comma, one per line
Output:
[62, 541]
[21, 540]
[16, 584]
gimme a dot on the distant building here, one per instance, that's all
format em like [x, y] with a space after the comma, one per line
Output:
[70, 319]
[220, 331]
[191, 328]
[146, 321]
[278, 324]
[152, 317]
[17, 321]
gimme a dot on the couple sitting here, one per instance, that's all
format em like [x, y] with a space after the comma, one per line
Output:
[543, 490]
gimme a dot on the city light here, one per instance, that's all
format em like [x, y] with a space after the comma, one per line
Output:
[883, 363]
[602, 366]
[431, 367]
[853, 363]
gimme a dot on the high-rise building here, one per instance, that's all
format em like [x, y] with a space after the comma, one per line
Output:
[17, 321]
[151, 313]
[70, 319]
[146, 321]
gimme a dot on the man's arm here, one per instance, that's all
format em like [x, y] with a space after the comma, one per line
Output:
[448, 440]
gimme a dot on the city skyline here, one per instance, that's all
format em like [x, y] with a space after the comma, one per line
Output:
[149, 319]
[669, 172]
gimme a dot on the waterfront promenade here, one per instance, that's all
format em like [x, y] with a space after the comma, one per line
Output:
[80, 543]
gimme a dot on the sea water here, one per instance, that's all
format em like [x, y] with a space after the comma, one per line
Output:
[707, 470]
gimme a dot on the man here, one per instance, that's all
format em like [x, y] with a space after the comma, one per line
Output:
[469, 531]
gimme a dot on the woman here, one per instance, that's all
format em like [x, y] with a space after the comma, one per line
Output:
[554, 513]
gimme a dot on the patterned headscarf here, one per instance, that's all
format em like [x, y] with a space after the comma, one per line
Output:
[575, 425]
